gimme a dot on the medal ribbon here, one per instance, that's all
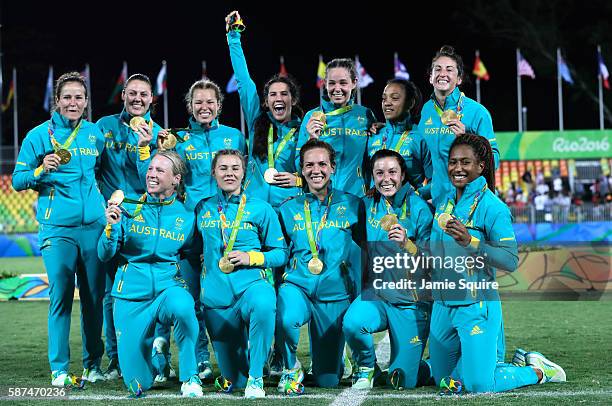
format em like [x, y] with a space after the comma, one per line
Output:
[56, 145]
[459, 106]
[400, 142]
[143, 201]
[450, 207]
[312, 239]
[339, 111]
[228, 245]
[272, 157]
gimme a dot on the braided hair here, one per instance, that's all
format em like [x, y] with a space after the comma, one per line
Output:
[483, 152]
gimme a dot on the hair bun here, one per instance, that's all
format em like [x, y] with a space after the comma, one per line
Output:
[447, 49]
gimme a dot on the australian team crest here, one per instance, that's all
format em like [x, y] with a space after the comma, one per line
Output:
[227, 142]
[361, 119]
[341, 210]
[92, 139]
[179, 223]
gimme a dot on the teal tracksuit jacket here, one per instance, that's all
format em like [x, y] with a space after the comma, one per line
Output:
[404, 138]
[118, 169]
[255, 184]
[148, 286]
[439, 137]
[200, 147]
[348, 134]
[70, 213]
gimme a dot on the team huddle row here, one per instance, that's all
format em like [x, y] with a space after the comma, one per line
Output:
[198, 231]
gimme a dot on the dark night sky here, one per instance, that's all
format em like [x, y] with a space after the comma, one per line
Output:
[35, 35]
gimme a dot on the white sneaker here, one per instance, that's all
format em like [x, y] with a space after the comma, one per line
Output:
[93, 375]
[60, 378]
[192, 388]
[363, 378]
[518, 358]
[160, 349]
[551, 372]
[254, 388]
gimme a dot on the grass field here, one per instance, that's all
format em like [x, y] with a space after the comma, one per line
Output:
[576, 335]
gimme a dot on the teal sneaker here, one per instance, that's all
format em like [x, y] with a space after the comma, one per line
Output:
[363, 378]
[254, 388]
[551, 372]
[518, 358]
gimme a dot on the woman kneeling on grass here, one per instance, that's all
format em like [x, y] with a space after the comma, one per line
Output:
[149, 238]
[470, 221]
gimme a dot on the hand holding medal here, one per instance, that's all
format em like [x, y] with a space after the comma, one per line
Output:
[453, 120]
[228, 263]
[234, 22]
[316, 124]
[458, 231]
[113, 210]
[51, 162]
[139, 126]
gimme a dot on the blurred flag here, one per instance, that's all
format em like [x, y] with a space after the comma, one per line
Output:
[232, 85]
[114, 98]
[48, 100]
[160, 87]
[400, 69]
[363, 78]
[564, 70]
[603, 71]
[479, 69]
[9, 96]
[283, 70]
[321, 73]
[204, 77]
[524, 69]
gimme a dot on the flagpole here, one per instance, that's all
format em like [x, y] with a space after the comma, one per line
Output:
[15, 117]
[599, 81]
[358, 87]
[477, 80]
[242, 123]
[1, 94]
[165, 96]
[559, 91]
[519, 92]
[88, 82]
[204, 76]
[395, 56]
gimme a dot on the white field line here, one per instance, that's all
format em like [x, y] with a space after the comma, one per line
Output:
[329, 396]
[355, 397]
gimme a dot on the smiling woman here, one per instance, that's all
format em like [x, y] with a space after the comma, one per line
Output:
[57, 159]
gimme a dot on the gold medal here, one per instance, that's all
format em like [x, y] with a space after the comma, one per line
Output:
[117, 197]
[448, 115]
[225, 265]
[169, 142]
[269, 175]
[237, 24]
[136, 122]
[410, 247]
[315, 266]
[388, 221]
[319, 115]
[64, 155]
[443, 220]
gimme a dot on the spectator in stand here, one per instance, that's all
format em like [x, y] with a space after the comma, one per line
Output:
[557, 185]
[540, 202]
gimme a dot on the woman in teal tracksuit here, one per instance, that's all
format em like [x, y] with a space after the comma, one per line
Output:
[397, 215]
[124, 145]
[317, 285]
[242, 238]
[474, 228]
[57, 159]
[198, 146]
[149, 240]
[344, 126]
[401, 106]
[273, 123]
[450, 113]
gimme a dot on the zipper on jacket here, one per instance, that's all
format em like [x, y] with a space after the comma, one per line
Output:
[120, 284]
[48, 210]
